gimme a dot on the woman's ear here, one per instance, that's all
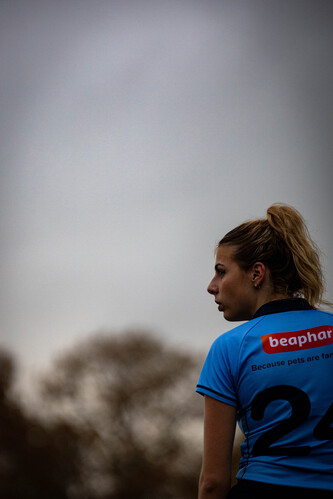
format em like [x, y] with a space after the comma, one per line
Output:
[258, 272]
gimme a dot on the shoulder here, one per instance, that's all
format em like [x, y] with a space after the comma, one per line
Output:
[324, 313]
[237, 334]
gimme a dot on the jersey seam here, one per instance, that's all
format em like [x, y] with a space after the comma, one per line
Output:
[260, 319]
[247, 448]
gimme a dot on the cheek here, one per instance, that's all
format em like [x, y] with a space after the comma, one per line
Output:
[227, 290]
[235, 291]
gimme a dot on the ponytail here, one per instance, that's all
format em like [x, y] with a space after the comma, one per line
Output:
[282, 242]
[290, 225]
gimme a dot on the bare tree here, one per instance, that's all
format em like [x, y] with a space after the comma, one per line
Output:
[133, 398]
[37, 460]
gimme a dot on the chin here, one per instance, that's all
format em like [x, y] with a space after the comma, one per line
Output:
[231, 319]
[235, 317]
[228, 317]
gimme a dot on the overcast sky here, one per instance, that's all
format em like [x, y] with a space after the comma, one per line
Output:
[134, 135]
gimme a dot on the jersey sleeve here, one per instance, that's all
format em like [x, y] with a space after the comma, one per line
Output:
[216, 378]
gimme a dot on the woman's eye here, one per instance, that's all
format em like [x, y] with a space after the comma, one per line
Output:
[220, 272]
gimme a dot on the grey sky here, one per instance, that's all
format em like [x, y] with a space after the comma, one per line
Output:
[135, 134]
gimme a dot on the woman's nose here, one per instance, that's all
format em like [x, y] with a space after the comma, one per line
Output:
[212, 289]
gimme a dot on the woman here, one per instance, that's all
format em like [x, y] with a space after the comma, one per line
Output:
[274, 373]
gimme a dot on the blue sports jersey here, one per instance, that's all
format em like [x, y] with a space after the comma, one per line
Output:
[277, 370]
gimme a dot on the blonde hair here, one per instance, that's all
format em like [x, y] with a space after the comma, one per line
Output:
[283, 243]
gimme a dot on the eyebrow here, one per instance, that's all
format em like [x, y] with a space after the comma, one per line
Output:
[218, 265]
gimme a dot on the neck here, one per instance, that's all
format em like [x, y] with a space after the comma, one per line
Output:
[265, 296]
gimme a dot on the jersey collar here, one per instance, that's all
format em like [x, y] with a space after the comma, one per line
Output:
[286, 305]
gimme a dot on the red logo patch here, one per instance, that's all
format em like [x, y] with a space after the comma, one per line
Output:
[297, 340]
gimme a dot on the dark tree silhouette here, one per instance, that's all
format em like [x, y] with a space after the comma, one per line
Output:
[36, 460]
[140, 418]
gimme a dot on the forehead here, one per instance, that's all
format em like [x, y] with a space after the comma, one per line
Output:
[224, 254]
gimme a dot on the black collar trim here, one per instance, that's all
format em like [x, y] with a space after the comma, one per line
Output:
[287, 305]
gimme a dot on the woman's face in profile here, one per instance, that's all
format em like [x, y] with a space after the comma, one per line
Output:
[232, 287]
